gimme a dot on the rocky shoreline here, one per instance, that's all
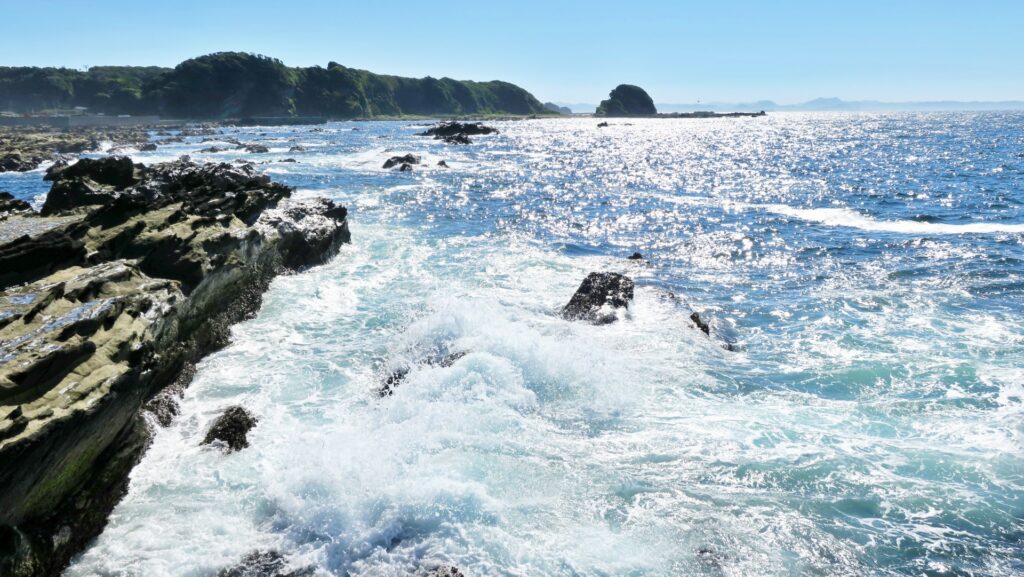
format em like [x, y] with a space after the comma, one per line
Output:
[25, 148]
[127, 277]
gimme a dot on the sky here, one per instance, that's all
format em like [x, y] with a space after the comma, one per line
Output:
[681, 52]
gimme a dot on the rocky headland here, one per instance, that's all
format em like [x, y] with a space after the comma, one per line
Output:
[108, 297]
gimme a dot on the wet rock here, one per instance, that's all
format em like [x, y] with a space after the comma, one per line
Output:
[405, 167]
[255, 148]
[446, 571]
[602, 125]
[635, 256]
[453, 128]
[457, 139]
[103, 308]
[265, 564]
[89, 182]
[297, 148]
[599, 297]
[148, 147]
[232, 428]
[407, 159]
[442, 164]
[700, 324]
[213, 149]
[288, 160]
[395, 377]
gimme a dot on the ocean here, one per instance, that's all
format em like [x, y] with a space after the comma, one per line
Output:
[857, 408]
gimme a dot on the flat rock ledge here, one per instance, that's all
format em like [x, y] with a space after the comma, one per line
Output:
[135, 273]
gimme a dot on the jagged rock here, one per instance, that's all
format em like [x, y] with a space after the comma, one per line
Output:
[453, 128]
[602, 125]
[405, 167]
[103, 308]
[297, 148]
[635, 256]
[16, 162]
[442, 164]
[405, 160]
[213, 149]
[148, 147]
[599, 297]
[232, 428]
[89, 182]
[10, 206]
[255, 148]
[265, 564]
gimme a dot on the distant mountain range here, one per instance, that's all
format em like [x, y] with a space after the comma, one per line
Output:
[822, 105]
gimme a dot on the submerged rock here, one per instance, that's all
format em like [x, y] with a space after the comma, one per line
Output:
[446, 571]
[148, 147]
[297, 148]
[457, 139]
[396, 376]
[406, 160]
[232, 428]
[265, 564]
[599, 297]
[254, 148]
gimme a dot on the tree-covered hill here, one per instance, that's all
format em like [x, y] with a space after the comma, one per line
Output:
[237, 84]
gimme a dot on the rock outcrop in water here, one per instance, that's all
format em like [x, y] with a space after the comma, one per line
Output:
[232, 428]
[600, 297]
[458, 132]
[24, 149]
[403, 162]
[107, 300]
[627, 100]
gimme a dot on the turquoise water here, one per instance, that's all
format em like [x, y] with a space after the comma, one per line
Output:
[868, 270]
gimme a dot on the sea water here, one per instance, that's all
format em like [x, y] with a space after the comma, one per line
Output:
[856, 410]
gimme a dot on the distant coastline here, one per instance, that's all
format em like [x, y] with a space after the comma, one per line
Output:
[827, 105]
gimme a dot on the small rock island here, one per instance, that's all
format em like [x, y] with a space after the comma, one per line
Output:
[627, 100]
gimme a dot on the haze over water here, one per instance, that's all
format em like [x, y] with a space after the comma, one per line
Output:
[868, 270]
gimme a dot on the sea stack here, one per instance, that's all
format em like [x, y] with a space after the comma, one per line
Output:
[627, 100]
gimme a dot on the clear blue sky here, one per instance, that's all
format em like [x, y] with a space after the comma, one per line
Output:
[680, 51]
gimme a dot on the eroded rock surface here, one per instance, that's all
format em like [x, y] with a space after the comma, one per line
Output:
[104, 305]
[599, 298]
[232, 428]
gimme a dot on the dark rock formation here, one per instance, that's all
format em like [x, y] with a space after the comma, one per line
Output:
[297, 148]
[442, 164]
[255, 148]
[602, 125]
[213, 149]
[599, 298]
[10, 206]
[265, 564]
[402, 161]
[627, 100]
[458, 132]
[17, 162]
[88, 182]
[105, 307]
[457, 139]
[700, 324]
[232, 428]
[148, 147]
[636, 256]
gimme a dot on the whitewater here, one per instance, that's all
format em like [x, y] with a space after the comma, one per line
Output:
[856, 409]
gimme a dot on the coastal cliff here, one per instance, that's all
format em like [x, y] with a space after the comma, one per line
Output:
[133, 275]
[240, 85]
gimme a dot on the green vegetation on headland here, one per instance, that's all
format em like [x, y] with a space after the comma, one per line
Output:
[239, 85]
